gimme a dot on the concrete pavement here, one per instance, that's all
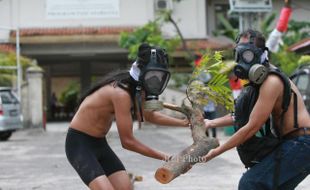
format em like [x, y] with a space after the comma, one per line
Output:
[33, 159]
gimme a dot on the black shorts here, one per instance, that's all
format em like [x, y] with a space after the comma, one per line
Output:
[90, 156]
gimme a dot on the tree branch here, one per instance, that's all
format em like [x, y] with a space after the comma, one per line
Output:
[191, 155]
[190, 54]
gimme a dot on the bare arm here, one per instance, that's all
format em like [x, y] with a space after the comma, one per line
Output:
[161, 119]
[124, 125]
[226, 120]
[269, 92]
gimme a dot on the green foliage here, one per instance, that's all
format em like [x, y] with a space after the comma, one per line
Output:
[289, 61]
[228, 29]
[69, 97]
[304, 60]
[216, 89]
[7, 76]
[266, 24]
[6, 79]
[297, 30]
[285, 60]
[149, 33]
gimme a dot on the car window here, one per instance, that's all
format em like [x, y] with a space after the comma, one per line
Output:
[303, 81]
[7, 97]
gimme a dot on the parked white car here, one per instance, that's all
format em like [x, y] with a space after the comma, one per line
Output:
[11, 118]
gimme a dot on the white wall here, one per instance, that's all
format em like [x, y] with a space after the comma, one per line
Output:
[5, 12]
[34, 97]
[132, 12]
[189, 14]
[5, 19]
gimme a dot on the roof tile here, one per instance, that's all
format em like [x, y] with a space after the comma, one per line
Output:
[299, 45]
[192, 44]
[5, 47]
[71, 31]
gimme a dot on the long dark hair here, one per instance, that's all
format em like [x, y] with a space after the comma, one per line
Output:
[120, 78]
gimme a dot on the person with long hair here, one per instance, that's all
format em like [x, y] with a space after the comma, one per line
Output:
[118, 97]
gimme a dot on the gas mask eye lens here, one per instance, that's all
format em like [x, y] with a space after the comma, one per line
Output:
[158, 75]
[248, 56]
[156, 81]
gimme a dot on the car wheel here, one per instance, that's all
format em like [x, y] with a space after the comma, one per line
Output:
[5, 135]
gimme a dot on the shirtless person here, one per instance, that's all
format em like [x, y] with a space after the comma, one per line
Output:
[114, 99]
[251, 54]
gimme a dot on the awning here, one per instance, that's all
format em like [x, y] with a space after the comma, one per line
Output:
[101, 35]
[7, 48]
[302, 46]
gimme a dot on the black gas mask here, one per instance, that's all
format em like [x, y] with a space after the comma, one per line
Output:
[251, 62]
[154, 75]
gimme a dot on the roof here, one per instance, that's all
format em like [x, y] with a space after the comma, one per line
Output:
[101, 35]
[209, 43]
[300, 46]
[71, 31]
[6, 47]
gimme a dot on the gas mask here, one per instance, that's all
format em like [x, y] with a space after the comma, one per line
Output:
[150, 73]
[155, 75]
[251, 62]
[154, 78]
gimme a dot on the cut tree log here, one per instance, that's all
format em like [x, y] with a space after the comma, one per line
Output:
[191, 155]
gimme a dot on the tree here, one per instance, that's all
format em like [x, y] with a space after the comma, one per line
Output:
[297, 30]
[149, 33]
[227, 30]
[69, 98]
[287, 61]
[8, 76]
[197, 92]
[216, 89]
[305, 59]
[267, 23]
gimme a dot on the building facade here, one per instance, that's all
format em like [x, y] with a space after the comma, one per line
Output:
[77, 40]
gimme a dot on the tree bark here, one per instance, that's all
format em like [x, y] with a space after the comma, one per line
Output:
[191, 155]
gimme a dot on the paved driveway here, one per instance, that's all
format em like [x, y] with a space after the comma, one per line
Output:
[33, 159]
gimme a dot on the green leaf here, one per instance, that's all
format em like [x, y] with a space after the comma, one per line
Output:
[216, 89]
[7, 76]
[148, 33]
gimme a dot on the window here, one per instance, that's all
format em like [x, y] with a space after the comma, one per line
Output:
[7, 97]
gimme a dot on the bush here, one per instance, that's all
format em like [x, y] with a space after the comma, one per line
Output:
[8, 76]
[304, 60]
[285, 60]
[69, 97]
